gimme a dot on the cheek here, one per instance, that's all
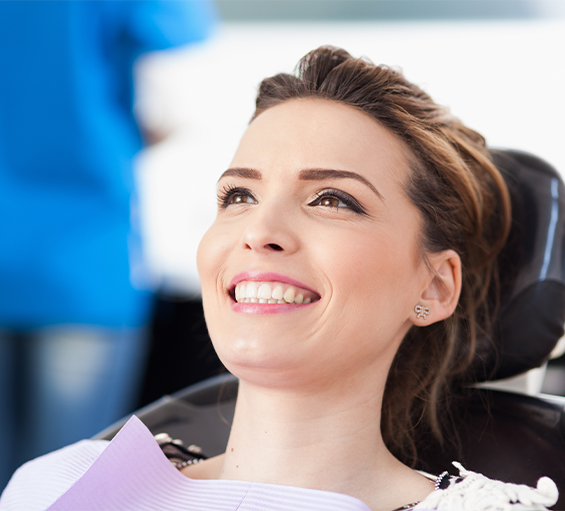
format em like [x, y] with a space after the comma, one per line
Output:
[211, 250]
[203, 263]
[371, 260]
[377, 278]
[367, 308]
[210, 259]
[202, 258]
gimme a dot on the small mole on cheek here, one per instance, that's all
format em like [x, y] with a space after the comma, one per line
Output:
[237, 466]
[232, 449]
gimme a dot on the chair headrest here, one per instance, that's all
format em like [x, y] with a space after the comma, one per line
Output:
[532, 271]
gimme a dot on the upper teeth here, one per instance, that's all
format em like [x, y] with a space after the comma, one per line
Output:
[271, 292]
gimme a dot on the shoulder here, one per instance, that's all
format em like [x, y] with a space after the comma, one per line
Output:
[471, 490]
[38, 483]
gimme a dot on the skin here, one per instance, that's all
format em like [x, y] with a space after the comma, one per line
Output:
[312, 376]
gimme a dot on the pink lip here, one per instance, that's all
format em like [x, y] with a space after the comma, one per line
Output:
[268, 308]
[268, 276]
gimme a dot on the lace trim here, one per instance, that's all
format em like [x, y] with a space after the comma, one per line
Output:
[179, 455]
[476, 492]
[407, 507]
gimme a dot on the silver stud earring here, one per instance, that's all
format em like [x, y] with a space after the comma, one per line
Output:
[422, 312]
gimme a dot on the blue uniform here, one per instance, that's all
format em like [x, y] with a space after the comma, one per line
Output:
[71, 316]
[67, 138]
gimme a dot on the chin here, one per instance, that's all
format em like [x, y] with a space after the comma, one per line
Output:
[251, 359]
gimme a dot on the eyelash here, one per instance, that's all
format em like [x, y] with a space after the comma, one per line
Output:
[347, 199]
[229, 191]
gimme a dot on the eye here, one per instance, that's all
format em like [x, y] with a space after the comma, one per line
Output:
[239, 198]
[331, 202]
[338, 200]
[234, 195]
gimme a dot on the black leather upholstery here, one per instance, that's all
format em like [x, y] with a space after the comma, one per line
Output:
[200, 414]
[532, 270]
[510, 437]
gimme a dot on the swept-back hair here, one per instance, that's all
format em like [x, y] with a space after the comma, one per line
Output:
[465, 206]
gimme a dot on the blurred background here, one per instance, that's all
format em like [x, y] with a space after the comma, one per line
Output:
[496, 64]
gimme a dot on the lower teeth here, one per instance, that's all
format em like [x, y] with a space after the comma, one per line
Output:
[270, 300]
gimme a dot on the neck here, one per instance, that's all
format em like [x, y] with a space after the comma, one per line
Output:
[328, 440]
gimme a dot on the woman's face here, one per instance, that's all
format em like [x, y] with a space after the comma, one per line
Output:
[312, 209]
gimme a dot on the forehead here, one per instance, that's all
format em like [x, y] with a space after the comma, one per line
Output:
[318, 133]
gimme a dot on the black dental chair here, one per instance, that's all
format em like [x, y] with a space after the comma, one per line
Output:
[505, 435]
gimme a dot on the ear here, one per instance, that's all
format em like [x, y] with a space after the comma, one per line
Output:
[442, 292]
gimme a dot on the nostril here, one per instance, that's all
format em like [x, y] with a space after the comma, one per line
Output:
[274, 246]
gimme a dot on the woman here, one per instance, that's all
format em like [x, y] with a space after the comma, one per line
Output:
[344, 282]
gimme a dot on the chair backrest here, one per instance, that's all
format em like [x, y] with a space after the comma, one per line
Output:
[505, 436]
[532, 271]
[200, 414]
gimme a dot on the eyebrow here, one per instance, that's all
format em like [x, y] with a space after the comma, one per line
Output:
[242, 172]
[306, 175]
[321, 174]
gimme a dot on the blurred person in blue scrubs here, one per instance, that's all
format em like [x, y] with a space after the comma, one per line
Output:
[72, 312]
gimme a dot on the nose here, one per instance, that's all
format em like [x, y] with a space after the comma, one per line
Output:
[270, 230]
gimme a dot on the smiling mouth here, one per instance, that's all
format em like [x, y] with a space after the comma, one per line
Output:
[271, 292]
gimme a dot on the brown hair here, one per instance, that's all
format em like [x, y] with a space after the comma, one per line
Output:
[465, 206]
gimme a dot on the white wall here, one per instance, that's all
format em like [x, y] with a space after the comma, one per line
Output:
[504, 79]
